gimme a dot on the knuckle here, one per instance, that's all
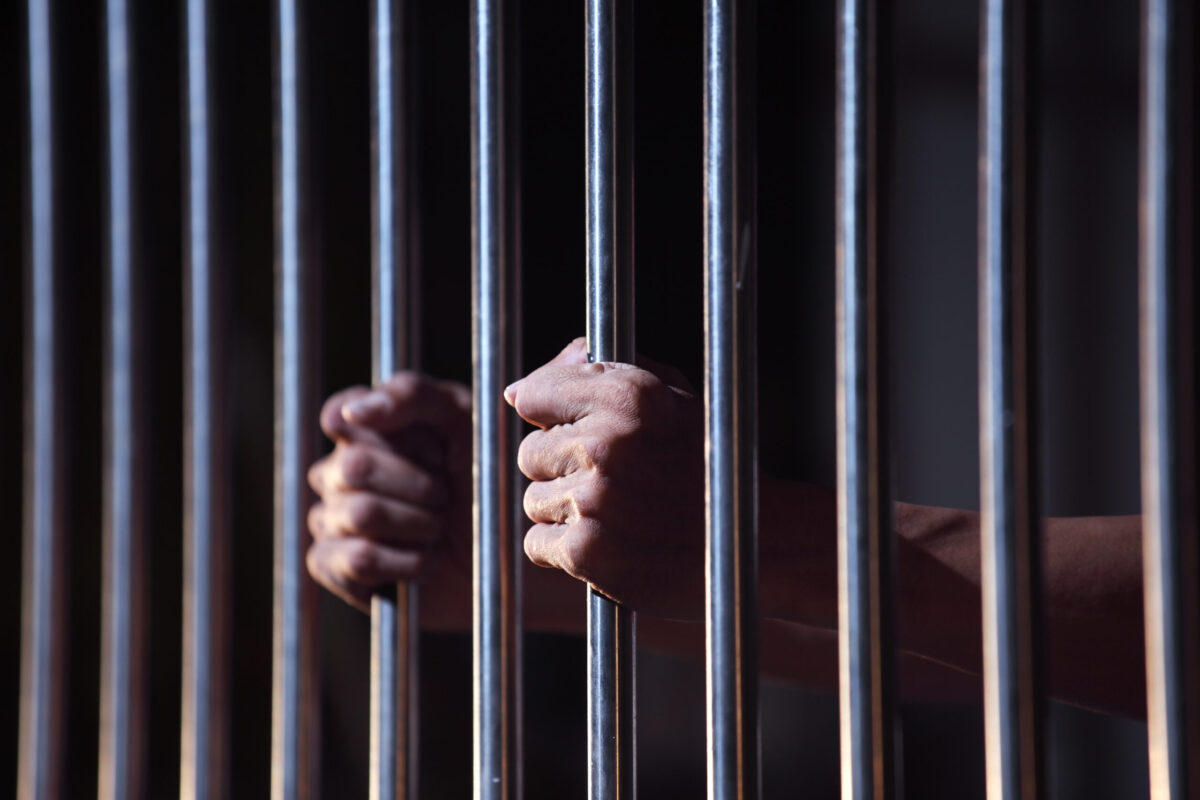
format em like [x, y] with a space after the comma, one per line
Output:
[357, 464]
[359, 560]
[316, 515]
[313, 560]
[522, 402]
[630, 396]
[363, 513]
[530, 503]
[528, 453]
[579, 551]
[594, 450]
[587, 499]
[315, 475]
[331, 411]
[534, 550]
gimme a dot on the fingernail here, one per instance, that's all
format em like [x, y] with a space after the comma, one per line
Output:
[510, 394]
[366, 406]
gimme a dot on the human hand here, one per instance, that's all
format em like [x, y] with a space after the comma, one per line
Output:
[618, 485]
[396, 495]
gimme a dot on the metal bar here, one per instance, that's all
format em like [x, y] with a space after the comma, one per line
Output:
[611, 632]
[866, 673]
[294, 756]
[731, 577]
[43, 637]
[494, 652]
[123, 686]
[514, 609]
[1010, 527]
[204, 770]
[1169, 344]
[395, 621]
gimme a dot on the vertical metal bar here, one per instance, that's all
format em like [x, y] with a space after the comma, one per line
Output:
[294, 757]
[865, 557]
[1010, 527]
[1169, 345]
[395, 621]
[123, 688]
[43, 636]
[204, 770]
[731, 577]
[514, 305]
[611, 633]
[492, 560]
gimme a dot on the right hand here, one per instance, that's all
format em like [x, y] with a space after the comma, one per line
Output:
[396, 495]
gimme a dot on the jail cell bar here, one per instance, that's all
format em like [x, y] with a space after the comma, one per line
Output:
[204, 756]
[608, 122]
[866, 674]
[495, 631]
[1010, 525]
[123, 664]
[40, 766]
[730, 402]
[395, 618]
[1169, 267]
[295, 706]
[1011, 624]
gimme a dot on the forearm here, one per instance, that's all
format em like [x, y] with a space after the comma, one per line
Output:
[1091, 574]
[787, 651]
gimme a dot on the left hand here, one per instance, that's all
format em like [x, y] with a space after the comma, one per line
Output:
[618, 484]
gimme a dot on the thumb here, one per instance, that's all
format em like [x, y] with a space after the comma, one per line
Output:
[573, 354]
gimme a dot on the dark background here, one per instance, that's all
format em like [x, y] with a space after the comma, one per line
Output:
[1088, 340]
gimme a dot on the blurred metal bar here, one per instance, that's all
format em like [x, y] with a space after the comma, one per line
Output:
[1010, 526]
[395, 619]
[40, 769]
[123, 663]
[730, 401]
[866, 657]
[1170, 344]
[611, 631]
[294, 754]
[494, 651]
[204, 762]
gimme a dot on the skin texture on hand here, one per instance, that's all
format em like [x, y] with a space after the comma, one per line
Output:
[396, 495]
[617, 501]
[617, 491]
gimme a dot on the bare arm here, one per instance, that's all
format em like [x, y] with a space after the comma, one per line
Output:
[1092, 578]
[616, 501]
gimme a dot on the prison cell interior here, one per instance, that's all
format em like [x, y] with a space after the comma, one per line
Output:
[147, 272]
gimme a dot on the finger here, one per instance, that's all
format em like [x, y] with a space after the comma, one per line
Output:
[560, 393]
[541, 543]
[371, 516]
[333, 423]
[357, 468]
[317, 474]
[408, 398]
[316, 521]
[354, 569]
[558, 451]
[552, 501]
[570, 548]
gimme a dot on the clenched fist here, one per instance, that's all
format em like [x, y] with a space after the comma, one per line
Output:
[396, 495]
[618, 486]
